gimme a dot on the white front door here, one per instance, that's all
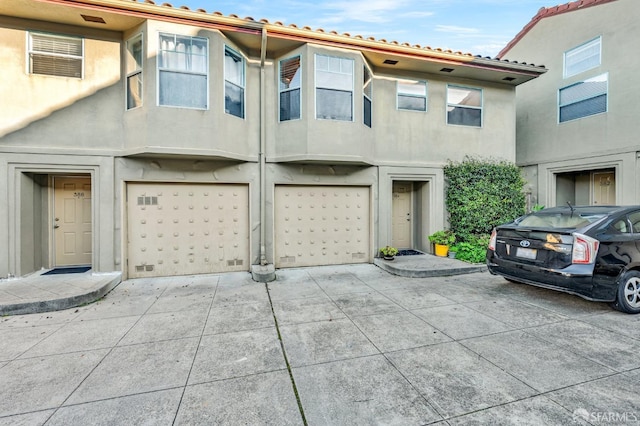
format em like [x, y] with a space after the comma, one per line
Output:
[401, 215]
[604, 188]
[72, 221]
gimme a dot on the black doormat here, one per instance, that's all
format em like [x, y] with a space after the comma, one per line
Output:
[408, 252]
[68, 270]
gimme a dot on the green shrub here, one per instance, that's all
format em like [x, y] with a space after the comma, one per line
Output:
[481, 194]
[445, 237]
[473, 250]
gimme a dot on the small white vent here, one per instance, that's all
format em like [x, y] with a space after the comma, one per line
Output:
[358, 255]
[144, 268]
[235, 262]
[147, 201]
[288, 259]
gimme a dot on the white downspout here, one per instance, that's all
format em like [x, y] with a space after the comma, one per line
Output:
[261, 157]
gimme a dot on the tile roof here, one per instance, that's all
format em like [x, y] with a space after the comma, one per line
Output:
[546, 12]
[318, 30]
[354, 39]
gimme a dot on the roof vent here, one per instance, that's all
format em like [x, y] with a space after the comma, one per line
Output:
[446, 70]
[95, 19]
[509, 78]
[390, 62]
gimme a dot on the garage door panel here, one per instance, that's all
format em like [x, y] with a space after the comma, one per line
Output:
[321, 225]
[181, 229]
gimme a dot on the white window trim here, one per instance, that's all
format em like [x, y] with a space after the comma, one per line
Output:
[481, 107]
[280, 61]
[158, 69]
[581, 46]
[426, 95]
[583, 99]
[244, 80]
[30, 51]
[315, 87]
[140, 71]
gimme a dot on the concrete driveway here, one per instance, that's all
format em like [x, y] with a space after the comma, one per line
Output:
[335, 345]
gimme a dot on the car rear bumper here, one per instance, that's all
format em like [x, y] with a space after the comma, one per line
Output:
[574, 279]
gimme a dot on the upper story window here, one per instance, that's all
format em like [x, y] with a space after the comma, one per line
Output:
[366, 91]
[234, 83]
[133, 63]
[289, 88]
[464, 106]
[51, 54]
[183, 68]
[412, 95]
[583, 57]
[334, 88]
[583, 99]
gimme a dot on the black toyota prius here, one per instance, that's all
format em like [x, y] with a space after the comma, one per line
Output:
[590, 251]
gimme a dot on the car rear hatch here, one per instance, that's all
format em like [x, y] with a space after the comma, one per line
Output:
[551, 240]
[545, 248]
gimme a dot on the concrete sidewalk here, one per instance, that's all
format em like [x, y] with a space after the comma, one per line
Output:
[339, 345]
[45, 293]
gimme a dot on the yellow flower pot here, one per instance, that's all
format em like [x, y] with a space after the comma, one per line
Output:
[441, 250]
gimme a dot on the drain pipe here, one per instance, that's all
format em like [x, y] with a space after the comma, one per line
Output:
[263, 272]
[263, 143]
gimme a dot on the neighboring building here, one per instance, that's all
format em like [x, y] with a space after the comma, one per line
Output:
[577, 125]
[159, 141]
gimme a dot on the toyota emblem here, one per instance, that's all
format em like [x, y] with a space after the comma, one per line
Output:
[525, 243]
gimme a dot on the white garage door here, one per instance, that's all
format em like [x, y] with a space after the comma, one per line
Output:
[321, 225]
[183, 229]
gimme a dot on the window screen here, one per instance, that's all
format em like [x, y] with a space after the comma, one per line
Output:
[57, 55]
[582, 58]
[583, 99]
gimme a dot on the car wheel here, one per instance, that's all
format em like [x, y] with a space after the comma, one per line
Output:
[629, 293]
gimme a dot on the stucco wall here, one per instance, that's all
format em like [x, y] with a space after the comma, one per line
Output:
[540, 138]
[48, 113]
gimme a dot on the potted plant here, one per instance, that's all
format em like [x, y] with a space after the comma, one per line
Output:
[388, 252]
[442, 240]
[453, 251]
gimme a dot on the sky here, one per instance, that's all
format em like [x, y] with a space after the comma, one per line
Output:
[479, 27]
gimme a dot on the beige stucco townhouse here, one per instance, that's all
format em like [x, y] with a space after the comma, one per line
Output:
[577, 125]
[157, 140]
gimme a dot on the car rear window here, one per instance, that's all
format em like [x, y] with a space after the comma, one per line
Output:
[559, 220]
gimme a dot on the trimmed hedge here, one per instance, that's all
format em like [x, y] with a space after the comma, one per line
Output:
[481, 194]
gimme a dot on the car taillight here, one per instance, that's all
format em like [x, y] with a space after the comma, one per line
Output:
[492, 240]
[584, 249]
